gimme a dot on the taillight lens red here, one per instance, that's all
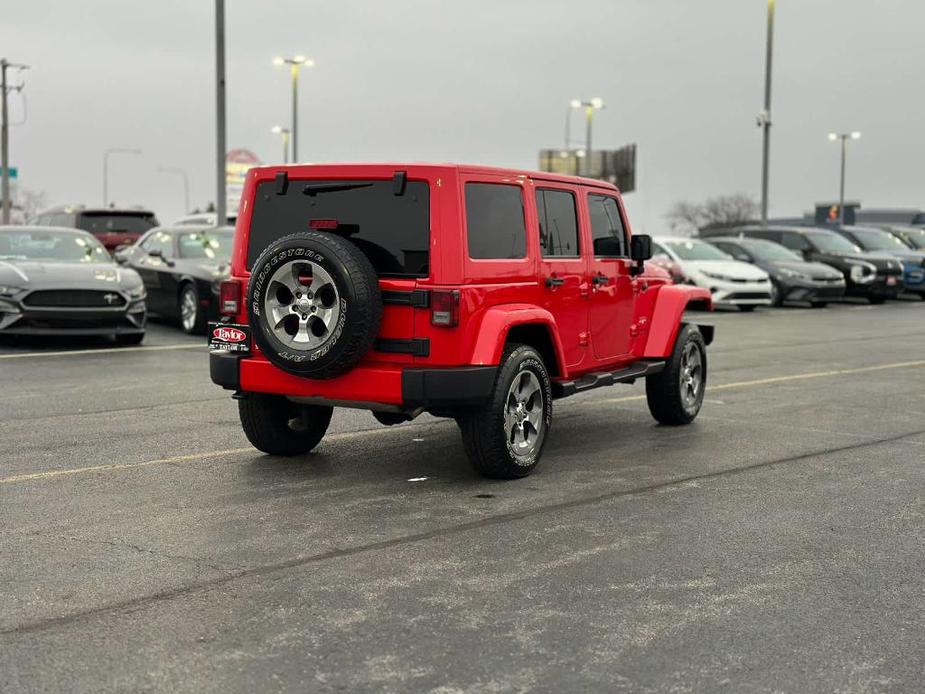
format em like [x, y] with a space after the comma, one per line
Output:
[444, 308]
[229, 298]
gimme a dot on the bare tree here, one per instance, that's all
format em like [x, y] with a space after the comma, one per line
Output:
[686, 218]
[32, 201]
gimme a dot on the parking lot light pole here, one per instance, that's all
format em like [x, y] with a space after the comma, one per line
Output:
[221, 193]
[114, 150]
[844, 137]
[181, 172]
[764, 118]
[590, 107]
[295, 64]
[284, 135]
[5, 199]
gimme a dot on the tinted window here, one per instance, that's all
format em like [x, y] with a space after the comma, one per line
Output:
[795, 241]
[558, 222]
[734, 250]
[606, 226]
[159, 241]
[393, 231]
[207, 245]
[115, 222]
[495, 221]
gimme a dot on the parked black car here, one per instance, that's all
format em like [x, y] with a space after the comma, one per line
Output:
[873, 239]
[873, 276]
[914, 237]
[792, 278]
[63, 282]
[182, 268]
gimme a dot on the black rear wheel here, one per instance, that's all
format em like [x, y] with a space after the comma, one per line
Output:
[506, 437]
[277, 426]
[192, 317]
[675, 394]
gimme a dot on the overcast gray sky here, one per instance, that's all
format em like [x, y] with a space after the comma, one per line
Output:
[480, 81]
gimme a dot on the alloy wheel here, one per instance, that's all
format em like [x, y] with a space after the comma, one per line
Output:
[523, 414]
[302, 305]
[691, 375]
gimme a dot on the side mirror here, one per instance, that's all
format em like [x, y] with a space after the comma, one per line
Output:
[640, 252]
[156, 253]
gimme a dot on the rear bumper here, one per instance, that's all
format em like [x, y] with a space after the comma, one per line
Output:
[365, 386]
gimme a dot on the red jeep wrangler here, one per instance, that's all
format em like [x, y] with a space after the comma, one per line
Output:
[475, 293]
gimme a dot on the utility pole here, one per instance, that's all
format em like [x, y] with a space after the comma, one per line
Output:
[295, 64]
[5, 145]
[221, 216]
[843, 137]
[764, 118]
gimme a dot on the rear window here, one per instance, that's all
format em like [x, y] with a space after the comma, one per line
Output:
[495, 221]
[393, 231]
[115, 222]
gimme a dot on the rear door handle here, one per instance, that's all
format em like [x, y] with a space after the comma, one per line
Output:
[554, 282]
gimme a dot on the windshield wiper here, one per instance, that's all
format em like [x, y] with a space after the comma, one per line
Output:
[314, 189]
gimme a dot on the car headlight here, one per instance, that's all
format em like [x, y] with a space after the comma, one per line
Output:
[6, 290]
[862, 273]
[137, 292]
[715, 276]
[793, 274]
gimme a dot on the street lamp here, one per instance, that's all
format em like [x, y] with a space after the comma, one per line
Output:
[764, 118]
[181, 172]
[284, 134]
[590, 107]
[844, 137]
[114, 150]
[294, 63]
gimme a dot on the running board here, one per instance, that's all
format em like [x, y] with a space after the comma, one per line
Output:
[639, 369]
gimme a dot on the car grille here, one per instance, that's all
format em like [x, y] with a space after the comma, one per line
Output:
[74, 298]
[746, 295]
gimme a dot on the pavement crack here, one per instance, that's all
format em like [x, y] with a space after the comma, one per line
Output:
[143, 601]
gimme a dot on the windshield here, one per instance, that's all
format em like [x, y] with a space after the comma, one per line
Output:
[876, 240]
[830, 242]
[51, 246]
[914, 237]
[766, 250]
[695, 250]
[208, 245]
[393, 231]
[116, 222]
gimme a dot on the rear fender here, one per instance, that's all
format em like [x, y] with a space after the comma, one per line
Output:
[497, 323]
[667, 315]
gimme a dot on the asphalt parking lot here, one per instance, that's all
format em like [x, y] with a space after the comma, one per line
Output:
[778, 544]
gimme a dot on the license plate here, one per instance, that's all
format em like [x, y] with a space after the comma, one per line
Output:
[229, 337]
[891, 280]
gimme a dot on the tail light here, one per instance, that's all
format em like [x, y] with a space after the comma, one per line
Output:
[444, 308]
[229, 298]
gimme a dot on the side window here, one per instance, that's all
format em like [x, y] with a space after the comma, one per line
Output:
[734, 250]
[794, 241]
[558, 222]
[159, 241]
[658, 250]
[495, 221]
[607, 232]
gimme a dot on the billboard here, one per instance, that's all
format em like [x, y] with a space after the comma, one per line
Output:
[237, 164]
[617, 166]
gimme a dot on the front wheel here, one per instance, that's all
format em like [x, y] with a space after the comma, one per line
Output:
[506, 438]
[277, 426]
[675, 394]
[192, 317]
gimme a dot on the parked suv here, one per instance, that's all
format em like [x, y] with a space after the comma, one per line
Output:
[874, 276]
[474, 293]
[113, 227]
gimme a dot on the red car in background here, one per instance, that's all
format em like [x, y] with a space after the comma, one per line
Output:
[113, 227]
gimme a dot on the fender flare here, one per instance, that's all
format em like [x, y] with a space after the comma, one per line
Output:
[497, 322]
[667, 318]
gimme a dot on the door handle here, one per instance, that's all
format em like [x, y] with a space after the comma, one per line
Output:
[599, 280]
[554, 282]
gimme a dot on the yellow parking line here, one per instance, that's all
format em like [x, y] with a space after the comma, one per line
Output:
[367, 432]
[105, 350]
[165, 461]
[791, 377]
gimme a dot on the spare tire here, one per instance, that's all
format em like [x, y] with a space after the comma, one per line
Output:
[314, 304]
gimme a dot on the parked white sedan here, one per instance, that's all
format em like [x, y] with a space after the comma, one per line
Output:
[732, 282]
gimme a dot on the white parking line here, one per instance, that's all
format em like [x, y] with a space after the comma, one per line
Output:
[106, 350]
